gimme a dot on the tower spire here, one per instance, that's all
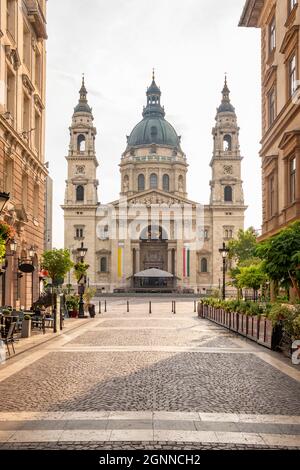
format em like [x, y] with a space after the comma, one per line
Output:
[226, 105]
[83, 102]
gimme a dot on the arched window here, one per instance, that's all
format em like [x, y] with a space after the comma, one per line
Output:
[227, 143]
[228, 194]
[80, 194]
[153, 181]
[103, 265]
[204, 265]
[166, 183]
[81, 143]
[180, 183]
[141, 182]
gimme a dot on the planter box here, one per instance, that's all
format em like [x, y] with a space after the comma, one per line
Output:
[258, 329]
[26, 329]
[253, 328]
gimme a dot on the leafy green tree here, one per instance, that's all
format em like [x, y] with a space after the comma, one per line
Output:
[57, 263]
[251, 277]
[244, 247]
[281, 257]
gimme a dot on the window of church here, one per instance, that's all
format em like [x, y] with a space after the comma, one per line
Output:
[80, 194]
[166, 183]
[103, 265]
[153, 181]
[228, 195]
[204, 265]
[79, 232]
[81, 143]
[227, 143]
[141, 182]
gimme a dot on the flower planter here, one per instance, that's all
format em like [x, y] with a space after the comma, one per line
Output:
[26, 329]
[256, 328]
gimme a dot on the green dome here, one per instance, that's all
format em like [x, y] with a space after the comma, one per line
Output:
[153, 130]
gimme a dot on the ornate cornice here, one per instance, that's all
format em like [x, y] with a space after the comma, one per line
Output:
[251, 13]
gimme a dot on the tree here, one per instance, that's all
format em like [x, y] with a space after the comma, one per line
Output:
[243, 248]
[281, 257]
[242, 252]
[57, 263]
[251, 277]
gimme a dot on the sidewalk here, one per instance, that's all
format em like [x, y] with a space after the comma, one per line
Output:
[26, 344]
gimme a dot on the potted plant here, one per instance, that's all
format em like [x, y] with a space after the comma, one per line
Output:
[26, 327]
[72, 303]
[88, 295]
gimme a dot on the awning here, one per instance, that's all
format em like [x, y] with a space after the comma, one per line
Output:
[154, 273]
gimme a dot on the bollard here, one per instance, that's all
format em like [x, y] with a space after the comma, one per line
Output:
[174, 310]
[100, 307]
[105, 309]
[195, 309]
[172, 306]
[127, 306]
[150, 308]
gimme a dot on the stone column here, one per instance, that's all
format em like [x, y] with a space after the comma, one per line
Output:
[170, 260]
[137, 259]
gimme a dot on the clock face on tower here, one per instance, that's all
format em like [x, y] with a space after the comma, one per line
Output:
[80, 169]
[228, 169]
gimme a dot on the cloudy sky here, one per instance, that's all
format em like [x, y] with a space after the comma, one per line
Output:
[191, 44]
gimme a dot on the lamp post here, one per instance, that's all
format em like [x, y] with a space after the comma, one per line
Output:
[31, 256]
[82, 252]
[224, 252]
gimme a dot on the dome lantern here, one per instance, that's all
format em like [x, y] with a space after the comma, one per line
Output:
[226, 106]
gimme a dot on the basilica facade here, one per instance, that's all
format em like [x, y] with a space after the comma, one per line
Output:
[153, 237]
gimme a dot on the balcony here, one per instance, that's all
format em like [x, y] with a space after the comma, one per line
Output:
[36, 18]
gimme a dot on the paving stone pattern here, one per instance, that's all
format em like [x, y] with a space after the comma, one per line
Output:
[85, 381]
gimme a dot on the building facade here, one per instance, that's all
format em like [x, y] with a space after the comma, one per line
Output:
[142, 230]
[48, 213]
[22, 122]
[279, 22]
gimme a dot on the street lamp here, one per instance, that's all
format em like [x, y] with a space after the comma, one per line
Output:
[224, 252]
[4, 197]
[82, 252]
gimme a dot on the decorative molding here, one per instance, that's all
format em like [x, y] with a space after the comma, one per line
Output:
[27, 83]
[38, 102]
[12, 56]
[290, 35]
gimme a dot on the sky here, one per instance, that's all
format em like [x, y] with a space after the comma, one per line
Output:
[116, 44]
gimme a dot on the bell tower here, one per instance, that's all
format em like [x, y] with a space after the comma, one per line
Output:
[81, 185]
[81, 196]
[226, 184]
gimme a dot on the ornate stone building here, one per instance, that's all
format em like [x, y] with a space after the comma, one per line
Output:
[279, 22]
[22, 170]
[143, 229]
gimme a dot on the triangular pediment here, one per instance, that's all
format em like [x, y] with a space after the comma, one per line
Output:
[153, 197]
[288, 38]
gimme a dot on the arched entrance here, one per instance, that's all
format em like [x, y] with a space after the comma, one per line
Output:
[154, 248]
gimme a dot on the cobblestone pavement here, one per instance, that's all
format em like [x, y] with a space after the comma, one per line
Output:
[177, 365]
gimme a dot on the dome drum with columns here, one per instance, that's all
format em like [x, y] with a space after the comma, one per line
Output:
[153, 175]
